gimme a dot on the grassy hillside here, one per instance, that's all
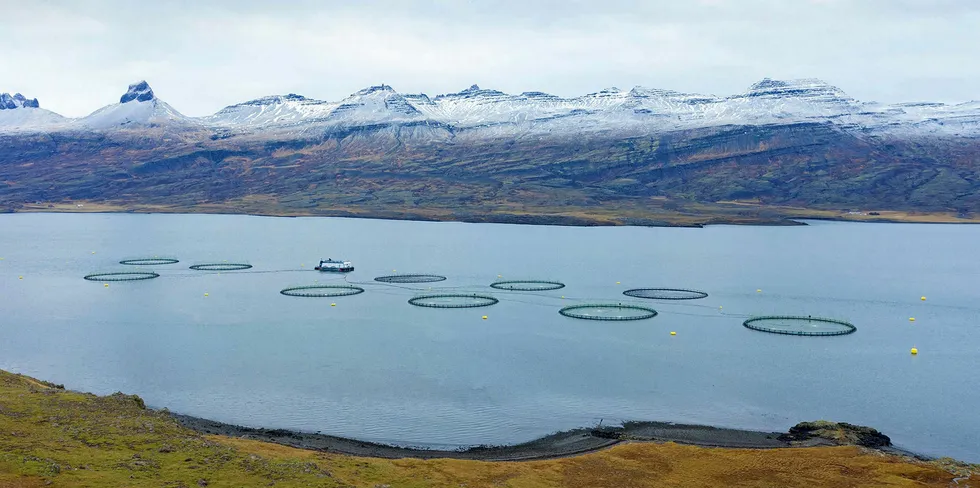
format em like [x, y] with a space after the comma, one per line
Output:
[53, 437]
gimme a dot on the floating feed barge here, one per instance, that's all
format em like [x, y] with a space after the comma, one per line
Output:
[334, 266]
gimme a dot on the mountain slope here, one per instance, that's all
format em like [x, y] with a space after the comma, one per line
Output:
[268, 111]
[638, 155]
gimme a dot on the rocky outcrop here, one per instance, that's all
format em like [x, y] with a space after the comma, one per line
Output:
[807, 88]
[141, 92]
[8, 102]
[840, 433]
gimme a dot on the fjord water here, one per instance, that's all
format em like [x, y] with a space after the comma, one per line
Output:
[374, 367]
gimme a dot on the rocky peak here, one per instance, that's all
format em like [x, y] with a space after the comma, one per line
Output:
[802, 88]
[276, 99]
[537, 95]
[419, 98]
[474, 91]
[141, 92]
[376, 89]
[372, 99]
[611, 92]
[8, 102]
[639, 93]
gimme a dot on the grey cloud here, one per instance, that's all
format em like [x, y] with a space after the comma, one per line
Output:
[77, 55]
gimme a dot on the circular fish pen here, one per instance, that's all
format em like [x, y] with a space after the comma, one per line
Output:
[801, 326]
[221, 267]
[527, 285]
[608, 311]
[122, 276]
[453, 300]
[410, 278]
[321, 291]
[665, 293]
[148, 261]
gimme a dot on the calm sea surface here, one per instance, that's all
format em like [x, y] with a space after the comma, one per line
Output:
[374, 367]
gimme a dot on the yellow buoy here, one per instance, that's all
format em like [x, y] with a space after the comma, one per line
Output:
[923, 299]
[394, 270]
[911, 319]
[719, 307]
[914, 351]
[93, 252]
[107, 285]
[484, 317]
[20, 277]
[758, 290]
[500, 276]
[617, 282]
[563, 297]
[673, 333]
[205, 294]
[333, 304]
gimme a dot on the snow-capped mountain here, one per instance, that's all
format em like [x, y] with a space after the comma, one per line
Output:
[138, 107]
[374, 104]
[490, 113]
[270, 111]
[19, 113]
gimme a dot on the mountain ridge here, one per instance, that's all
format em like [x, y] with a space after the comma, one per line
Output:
[640, 109]
[641, 156]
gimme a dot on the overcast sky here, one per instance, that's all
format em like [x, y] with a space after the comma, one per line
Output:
[78, 55]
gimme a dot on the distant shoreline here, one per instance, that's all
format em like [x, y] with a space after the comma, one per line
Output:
[728, 213]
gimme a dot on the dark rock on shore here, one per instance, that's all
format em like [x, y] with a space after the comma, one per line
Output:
[840, 433]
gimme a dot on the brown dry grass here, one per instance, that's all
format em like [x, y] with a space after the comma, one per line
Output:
[52, 437]
[635, 465]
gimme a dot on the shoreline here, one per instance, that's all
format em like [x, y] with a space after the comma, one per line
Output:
[556, 445]
[54, 436]
[784, 216]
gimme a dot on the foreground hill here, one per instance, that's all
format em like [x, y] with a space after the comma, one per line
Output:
[646, 156]
[49, 436]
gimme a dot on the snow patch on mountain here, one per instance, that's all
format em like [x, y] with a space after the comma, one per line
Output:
[374, 104]
[31, 120]
[273, 110]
